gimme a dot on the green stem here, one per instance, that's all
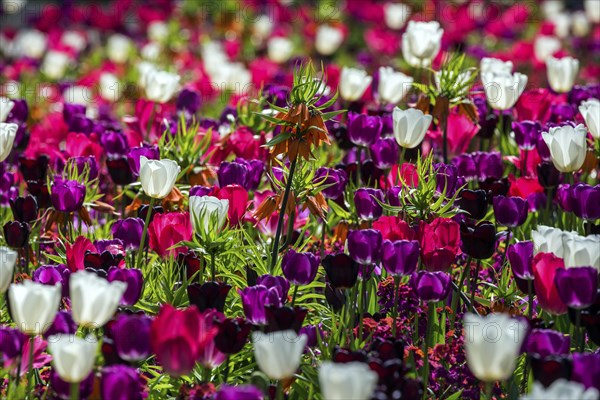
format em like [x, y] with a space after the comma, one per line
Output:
[457, 292]
[402, 153]
[212, 266]
[30, 366]
[431, 310]
[279, 391]
[151, 120]
[361, 307]
[75, 391]
[352, 314]
[358, 165]
[286, 195]
[474, 284]
[530, 294]
[489, 387]
[506, 243]
[294, 295]
[580, 333]
[395, 308]
[144, 233]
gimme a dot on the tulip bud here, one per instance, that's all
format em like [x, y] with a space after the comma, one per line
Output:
[502, 90]
[421, 42]
[120, 382]
[278, 353]
[8, 259]
[353, 83]
[300, 268]
[431, 286]
[478, 241]
[16, 234]
[353, 380]
[131, 336]
[510, 211]
[132, 277]
[385, 153]
[568, 146]
[33, 306]
[341, 270]
[410, 126]
[590, 110]
[400, 257]
[364, 246]
[520, 256]
[364, 130]
[474, 203]
[208, 214]
[548, 175]
[210, 295]
[367, 203]
[6, 106]
[8, 133]
[284, 318]
[393, 86]
[328, 39]
[577, 287]
[158, 177]
[24, 209]
[562, 73]
[94, 300]
[232, 335]
[72, 357]
[67, 196]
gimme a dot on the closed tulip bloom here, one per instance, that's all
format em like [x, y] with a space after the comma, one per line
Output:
[364, 246]
[33, 306]
[474, 203]
[341, 270]
[334, 179]
[25, 209]
[549, 240]
[367, 204]
[547, 342]
[585, 201]
[478, 241]
[577, 287]
[385, 153]
[161, 86]
[6, 106]
[520, 256]
[232, 335]
[431, 286]
[410, 126]
[131, 336]
[545, 266]
[502, 90]
[400, 257]
[393, 86]
[363, 129]
[94, 300]
[209, 295]
[590, 110]
[158, 176]
[300, 268]
[348, 381]
[8, 259]
[562, 389]
[67, 196]
[580, 251]
[510, 211]
[167, 230]
[440, 243]
[8, 133]
[208, 213]
[278, 354]
[134, 280]
[129, 231]
[489, 64]
[492, 344]
[526, 133]
[421, 42]
[353, 83]
[120, 382]
[16, 234]
[280, 49]
[328, 39]
[72, 357]
[245, 392]
[562, 73]
[568, 146]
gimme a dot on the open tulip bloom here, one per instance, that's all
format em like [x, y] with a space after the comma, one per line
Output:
[388, 201]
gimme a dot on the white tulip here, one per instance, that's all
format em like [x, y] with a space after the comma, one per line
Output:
[581, 24]
[231, 76]
[545, 46]
[328, 40]
[74, 39]
[55, 64]
[158, 176]
[349, 381]
[8, 132]
[151, 51]
[30, 43]
[145, 68]
[410, 126]
[278, 354]
[489, 64]
[590, 110]
[161, 86]
[78, 95]
[549, 240]
[207, 209]
[562, 24]
[353, 83]
[110, 89]
[72, 357]
[562, 73]
[8, 259]
[562, 389]
[492, 345]
[34, 306]
[94, 300]
[6, 106]
[580, 251]
[592, 11]
[396, 15]
[118, 48]
[280, 49]
[421, 42]
[263, 26]
[568, 146]
[13, 6]
[157, 31]
[551, 8]
[502, 90]
[392, 86]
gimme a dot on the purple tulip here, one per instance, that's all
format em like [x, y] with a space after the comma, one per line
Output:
[341, 270]
[67, 196]
[563, 197]
[134, 154]
[53, 274]
[232, 173]
[200, 191]
[80, 164]
[11, 342]
[548, 175]
[489, 165]
[577, 286]
[254, 301]
[311, 332]
[300, 268]
[364, 246]
[114, 143]
[520, 256]
[131, 336]
[63, 389]
[446, 177]
[547, 342]
[188, 101]
[526, 133]
[584, 201]
[367, 206]
[364, 130]
[510, 211]
[129, 231]
[63, 323]
[400, 257]
[431, 286]
[334, 179]
[385, 153]
[465, 166]
[278, 283]
[246, 392]
[134, 280]
[209, 295]
[120, 382]
[474, 203]
[586, 369]
[393, 196]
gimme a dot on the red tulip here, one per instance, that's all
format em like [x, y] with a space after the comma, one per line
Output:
[544, 269]
[393, 228]
[166, 230]
[440, 242]
[179, 338]
[76, 252]
[238, 202]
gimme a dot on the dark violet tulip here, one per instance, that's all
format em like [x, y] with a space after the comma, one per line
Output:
[586, 369]
[134, 154]
[134, 280]
[67, 196]
[364, 130]
[256, 168]
[465, 166]
[53, 274]
[120, 382]
[11, 342]
[300, 268]
[563, 197]
[232, 335]
[131, 336]
[546, 370]
[24, 209]
[63, 323]
[285, 318]
[278, 283]
[489, 165]
[520, 256]
[34, 169]
[334, 179]
[526, 133]
[474, 203]
[510, 211]
[478, 241]
[80, 164]
[364, 246]
[232, 173]
[114, 143]
[495, 187]
[400, 257]
[577, 286]
[188, 101]
[246, 392]
[335, 297]
[63, 389]
[341, 270]
[254, 301]
[385, 152]
[585, 201]
[547, 342]
[431, 286]
[367, 206]
[393, 196]
[209, 295]
[446, 178]
[312, 332]
[129, 231]
[119, 170]
[16, 234]
[190, 262]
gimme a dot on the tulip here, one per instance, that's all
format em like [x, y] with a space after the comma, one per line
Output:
[384, 153]
[353, 83]
[364, 246]
[562, 389]
[400, 257]
[526, 133]
[131, 336]
[562, 73]
[72, 357]
[158, 176]
[167, 230]
[545, 267]
[590, 110]
[546, 370]
[520, 257]
[11, 342]
[254, 301]
[336, 298]
[367, 203]
[232, 335]
[118, 48]
[284, 318]
[6, 106]
[16, 234]
[300, 268]
[548, 175]
[334, 179]
[8, 259]
[33, 306]
[489, 64]
[549, 240]
[396, 15]
[584, 201]
[278, 354]
[208, 214]
[93, 299]
[478, 241]
[129, 231]
[328, 39]
[502, 90]
[246, 392]
[132, 278]
[341, 270]
[8, 133]
[492, 344]
[209, 295]
[67, 196]
[110, 89]
[546, 342]
[431, 286]
[510, 211]
[24, 209]
[120, 382]
[421, 43]
[135, 154]
[440, 243]
[577, 287]
[474, 203]
[278, 284]
[410, 126]
[280, 49]
[393, 86]
[586, 367]
[567, 146]
[353, 380]
[363, 129]
[581, 251]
